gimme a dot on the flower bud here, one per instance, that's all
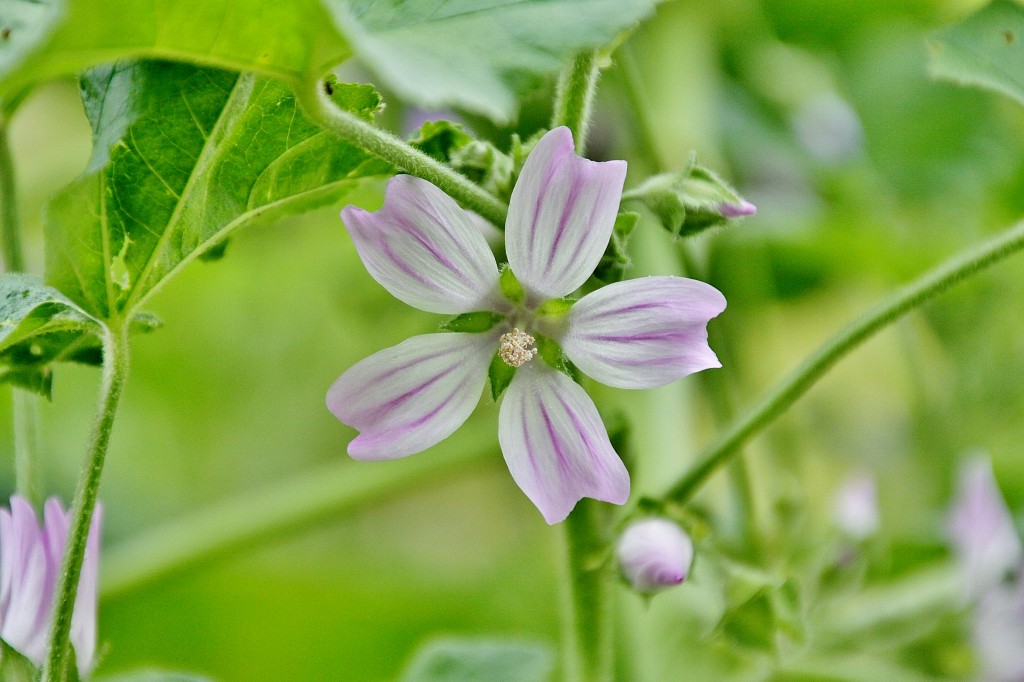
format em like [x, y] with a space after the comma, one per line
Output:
[654, 554]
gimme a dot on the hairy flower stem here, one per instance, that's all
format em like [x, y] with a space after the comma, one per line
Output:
[25, 405]
[925, 288]
[587, 609]
[115, 371]
[575, 95]
[404, 157]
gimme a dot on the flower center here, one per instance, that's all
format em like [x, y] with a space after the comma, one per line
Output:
[515, 348]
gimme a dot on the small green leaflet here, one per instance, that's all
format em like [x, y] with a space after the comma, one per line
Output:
[40, 326]
[294, 41]
[500, 375]
[986, 49]
[182, 157]
[481, 660]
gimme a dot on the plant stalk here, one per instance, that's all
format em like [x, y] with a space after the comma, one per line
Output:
[404, 157]
[790, 389]
[575, 96]
[115, 372]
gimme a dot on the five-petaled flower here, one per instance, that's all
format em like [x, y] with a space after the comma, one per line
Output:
[428, 252]
[30, 565]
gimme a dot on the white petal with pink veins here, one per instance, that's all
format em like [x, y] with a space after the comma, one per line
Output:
[561, 216]
[424, 249]
[643, 333]
[555, 444]
[409, 397]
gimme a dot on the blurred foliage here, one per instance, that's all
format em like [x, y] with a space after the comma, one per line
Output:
[865, 172]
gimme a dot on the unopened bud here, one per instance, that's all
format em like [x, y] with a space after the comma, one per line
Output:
[654, 554]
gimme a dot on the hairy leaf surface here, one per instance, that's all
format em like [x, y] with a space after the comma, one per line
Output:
[182, 157]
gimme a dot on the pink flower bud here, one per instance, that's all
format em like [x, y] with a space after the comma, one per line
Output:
[654, 554]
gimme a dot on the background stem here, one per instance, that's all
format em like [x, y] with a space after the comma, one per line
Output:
[925, 288]
[115, 371]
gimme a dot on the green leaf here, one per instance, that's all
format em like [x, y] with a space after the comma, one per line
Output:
[481, 660]
[474, 55]
[295, 40]
[40, 326]
[986, 49]
[183, 156]
[14, 667]
[479, 160]
[359, 98]
[500, 374]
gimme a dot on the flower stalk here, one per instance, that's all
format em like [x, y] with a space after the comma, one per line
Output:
[790, 389]
[404, 157]
[115, 372]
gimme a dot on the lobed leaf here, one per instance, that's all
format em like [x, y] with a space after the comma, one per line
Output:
[986, 49]
[45, 39]
[182, 157]
[476, 54]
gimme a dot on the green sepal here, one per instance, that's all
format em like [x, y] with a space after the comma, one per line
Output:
[689, 201]
[511, 287]
[615, 261]
[14, 667]
[556, 307]
[472, 322]
[361, 99]
[549, 350]
[500, 374]
[479, 160]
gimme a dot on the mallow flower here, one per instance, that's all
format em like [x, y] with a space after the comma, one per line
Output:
[428, 252]
[654, 554]
[30, 564]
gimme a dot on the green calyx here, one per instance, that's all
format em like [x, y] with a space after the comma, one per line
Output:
[511, 287]
[472, 322]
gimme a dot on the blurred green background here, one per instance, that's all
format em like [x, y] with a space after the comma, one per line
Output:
[865, 173]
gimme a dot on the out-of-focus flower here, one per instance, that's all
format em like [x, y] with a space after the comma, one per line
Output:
[998, 632]
[30, 564]
[654, 554]
[424, 249]
[985, 539]
[828, 127]
[856, 506]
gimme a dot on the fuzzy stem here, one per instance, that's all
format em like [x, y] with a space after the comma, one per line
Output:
[404, 157]
[115, 371]
[575, 96]
[925, 288]
[587, 630]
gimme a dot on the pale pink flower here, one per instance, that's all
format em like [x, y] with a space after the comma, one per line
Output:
[654, 554]
[427, 251]
[856, 506]
[30, 564]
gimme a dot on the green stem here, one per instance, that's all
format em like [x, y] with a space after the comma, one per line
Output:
[404, 157]
[587, 613]
[646, 136]
[254, 519]
[10, 234]
[925, 288]
[25, 405]
[575, 96]
[115, 371]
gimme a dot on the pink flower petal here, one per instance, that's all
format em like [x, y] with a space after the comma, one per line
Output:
[409, 397]
[555, 444]
[26, 619]
[643, 333]
[653, 554]
[424, 249]
[561, 216]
